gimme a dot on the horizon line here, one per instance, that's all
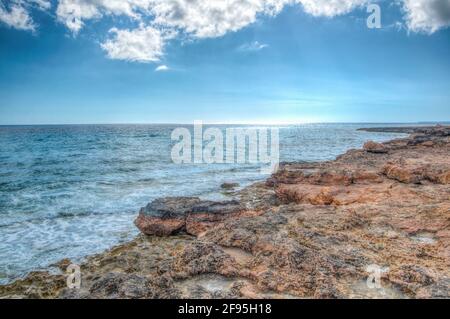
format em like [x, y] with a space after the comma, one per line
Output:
[229, 123]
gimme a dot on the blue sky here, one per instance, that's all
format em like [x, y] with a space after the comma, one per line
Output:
[301, 62]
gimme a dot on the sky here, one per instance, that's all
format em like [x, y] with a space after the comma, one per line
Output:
[223, 61]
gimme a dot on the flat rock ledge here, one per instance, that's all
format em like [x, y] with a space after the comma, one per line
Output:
[173, 215]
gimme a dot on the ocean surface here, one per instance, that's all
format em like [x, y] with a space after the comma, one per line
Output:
[72, 191]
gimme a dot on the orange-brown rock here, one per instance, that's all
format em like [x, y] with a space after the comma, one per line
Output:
[171, 215]
[374, 147]
[158, 226]
[403, 174]
[165, 217]
[315, 230]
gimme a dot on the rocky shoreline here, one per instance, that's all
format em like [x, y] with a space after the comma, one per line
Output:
[312, 230]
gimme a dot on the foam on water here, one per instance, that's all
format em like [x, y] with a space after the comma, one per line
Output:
[70, 191]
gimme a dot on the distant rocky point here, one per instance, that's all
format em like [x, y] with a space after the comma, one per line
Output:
[407, 129]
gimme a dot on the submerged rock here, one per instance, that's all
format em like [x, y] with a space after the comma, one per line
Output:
[229, 186]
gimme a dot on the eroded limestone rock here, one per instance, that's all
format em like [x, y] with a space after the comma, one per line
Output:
[171, 215]
[313, 230]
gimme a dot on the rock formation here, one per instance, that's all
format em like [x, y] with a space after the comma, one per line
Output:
[168, 216]
[373, 147]
[315, 230]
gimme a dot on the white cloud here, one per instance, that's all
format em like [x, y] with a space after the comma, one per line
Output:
[195, 18]
[162, 68]
[330, 8]
[41, 4]
[145, 44]
[18, 16]
[427, 15]
[159, 20]
[209, 19]
[252, 46]
[200, 18]
[73, 12]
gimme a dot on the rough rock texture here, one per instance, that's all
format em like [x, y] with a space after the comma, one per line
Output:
[312, 230]
[168, 216]
[373, 147]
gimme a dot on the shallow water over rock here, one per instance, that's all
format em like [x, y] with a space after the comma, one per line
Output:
[360, 289]
[424, 238]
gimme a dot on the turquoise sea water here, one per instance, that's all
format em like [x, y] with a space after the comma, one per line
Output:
[71, 191]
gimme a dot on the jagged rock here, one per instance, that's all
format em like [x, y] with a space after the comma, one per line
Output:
[170, 207]
[410, 277]
[165, 216]
[168, 216]
[374, 147]
[132, 286]
[322, 176]
[37, 285]
[203, 258]
[403, 174]
[159, 226]
[438, 290]
[437, 175]
[416, 173]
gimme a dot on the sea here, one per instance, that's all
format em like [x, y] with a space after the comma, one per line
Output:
[69, 191]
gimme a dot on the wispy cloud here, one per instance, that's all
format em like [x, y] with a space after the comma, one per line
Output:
[252, 47]
[16, 17]
[162, 68]
[17, 13]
